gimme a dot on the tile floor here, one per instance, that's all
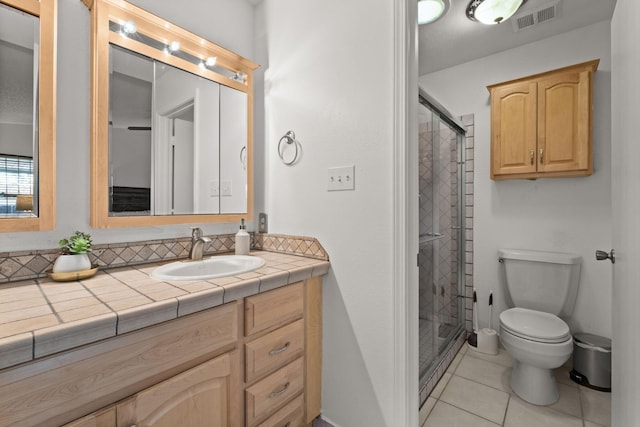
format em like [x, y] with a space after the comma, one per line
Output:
[475, 392]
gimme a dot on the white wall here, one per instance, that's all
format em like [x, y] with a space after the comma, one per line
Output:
[225, 22]
[562, 214]
[16, 139]
[329, 78]
[130, 154]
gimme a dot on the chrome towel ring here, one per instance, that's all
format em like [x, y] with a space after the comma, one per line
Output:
[243, 157]
[290, 139]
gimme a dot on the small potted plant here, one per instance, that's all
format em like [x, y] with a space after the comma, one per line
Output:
[74, 253]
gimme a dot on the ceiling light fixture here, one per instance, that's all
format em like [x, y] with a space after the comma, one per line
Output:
[491, 12]
[431, 10]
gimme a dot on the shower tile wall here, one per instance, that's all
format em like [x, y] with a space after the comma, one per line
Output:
[468, 122]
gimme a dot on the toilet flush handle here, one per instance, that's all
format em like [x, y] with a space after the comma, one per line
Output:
[602, 255]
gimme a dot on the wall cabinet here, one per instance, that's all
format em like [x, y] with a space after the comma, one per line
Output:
[252, 362]
[541, 124]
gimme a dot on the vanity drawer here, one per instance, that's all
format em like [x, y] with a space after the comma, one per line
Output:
[276, 307]
[270, 351]
[291, 415]
[271, 393]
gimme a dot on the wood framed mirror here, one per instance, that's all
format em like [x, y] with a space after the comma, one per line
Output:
[171, 126]
[27, 115]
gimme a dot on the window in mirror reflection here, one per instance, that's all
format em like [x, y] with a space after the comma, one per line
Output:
[175, 140]
[19, 55]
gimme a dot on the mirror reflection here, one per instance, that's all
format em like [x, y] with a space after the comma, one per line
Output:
[19, 71]
[176, 140]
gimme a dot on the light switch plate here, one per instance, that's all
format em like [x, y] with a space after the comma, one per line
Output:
[225, 188]
[341, 178]
[214, 188]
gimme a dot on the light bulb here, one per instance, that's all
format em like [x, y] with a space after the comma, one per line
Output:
[211, 61]
[128, 28]
[174, 46]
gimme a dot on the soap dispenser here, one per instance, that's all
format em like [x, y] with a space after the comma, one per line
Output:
[242, 240]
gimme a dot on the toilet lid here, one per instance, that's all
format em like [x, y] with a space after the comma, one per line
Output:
[534, 325]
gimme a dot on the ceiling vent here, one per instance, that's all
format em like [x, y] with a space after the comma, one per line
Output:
[531, 18]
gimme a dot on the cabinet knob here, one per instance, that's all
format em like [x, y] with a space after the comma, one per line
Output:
[533, 155]
[541, 155]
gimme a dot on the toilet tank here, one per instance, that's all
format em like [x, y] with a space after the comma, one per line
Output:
[543, 281]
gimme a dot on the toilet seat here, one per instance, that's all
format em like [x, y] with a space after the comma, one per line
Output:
[534, 325]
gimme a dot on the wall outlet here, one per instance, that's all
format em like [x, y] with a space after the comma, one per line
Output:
[341, 178]
[225, 188]
[263, 223]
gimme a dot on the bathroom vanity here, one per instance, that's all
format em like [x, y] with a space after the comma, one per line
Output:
[252, 358]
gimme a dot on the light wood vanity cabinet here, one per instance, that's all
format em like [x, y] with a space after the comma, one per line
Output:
[104, 418]
[252, 362]
[541, 124]
[201, 396]
[274, 354]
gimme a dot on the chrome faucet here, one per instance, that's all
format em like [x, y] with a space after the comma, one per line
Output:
[197, 244]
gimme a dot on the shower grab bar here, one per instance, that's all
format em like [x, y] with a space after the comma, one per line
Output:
[429, 237]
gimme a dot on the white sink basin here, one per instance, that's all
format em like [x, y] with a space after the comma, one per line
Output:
[211, 268]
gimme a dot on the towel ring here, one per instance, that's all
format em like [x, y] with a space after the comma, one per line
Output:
[289, 138]
[243, 157]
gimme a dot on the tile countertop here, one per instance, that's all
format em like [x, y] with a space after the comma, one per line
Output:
[42, 317]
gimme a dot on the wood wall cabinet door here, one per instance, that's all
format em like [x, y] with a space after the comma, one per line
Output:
[513, 129]
[564, 123]
[204, 396]
[541, 124]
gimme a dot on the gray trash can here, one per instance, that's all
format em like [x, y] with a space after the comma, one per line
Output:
[592, 361]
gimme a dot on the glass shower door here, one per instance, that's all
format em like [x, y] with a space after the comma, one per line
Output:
[441, 237]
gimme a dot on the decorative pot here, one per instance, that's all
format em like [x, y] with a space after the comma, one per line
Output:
[71, 262]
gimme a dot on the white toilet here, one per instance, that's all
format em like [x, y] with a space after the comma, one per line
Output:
[541, 286]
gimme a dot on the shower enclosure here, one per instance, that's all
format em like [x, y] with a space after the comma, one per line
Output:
[441, 256]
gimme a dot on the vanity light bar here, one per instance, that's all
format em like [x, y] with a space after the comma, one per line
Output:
[129, 29]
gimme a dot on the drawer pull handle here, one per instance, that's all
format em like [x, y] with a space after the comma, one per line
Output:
[532, 155]
[279, 392]
[280, 350]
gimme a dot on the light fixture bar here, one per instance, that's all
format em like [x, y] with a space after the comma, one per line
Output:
[128, 29]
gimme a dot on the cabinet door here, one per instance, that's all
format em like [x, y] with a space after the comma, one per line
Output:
[204, 396]
[102, 418]
[564, 123]
[513, 129]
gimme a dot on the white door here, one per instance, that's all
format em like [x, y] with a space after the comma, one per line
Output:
[625, 156]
